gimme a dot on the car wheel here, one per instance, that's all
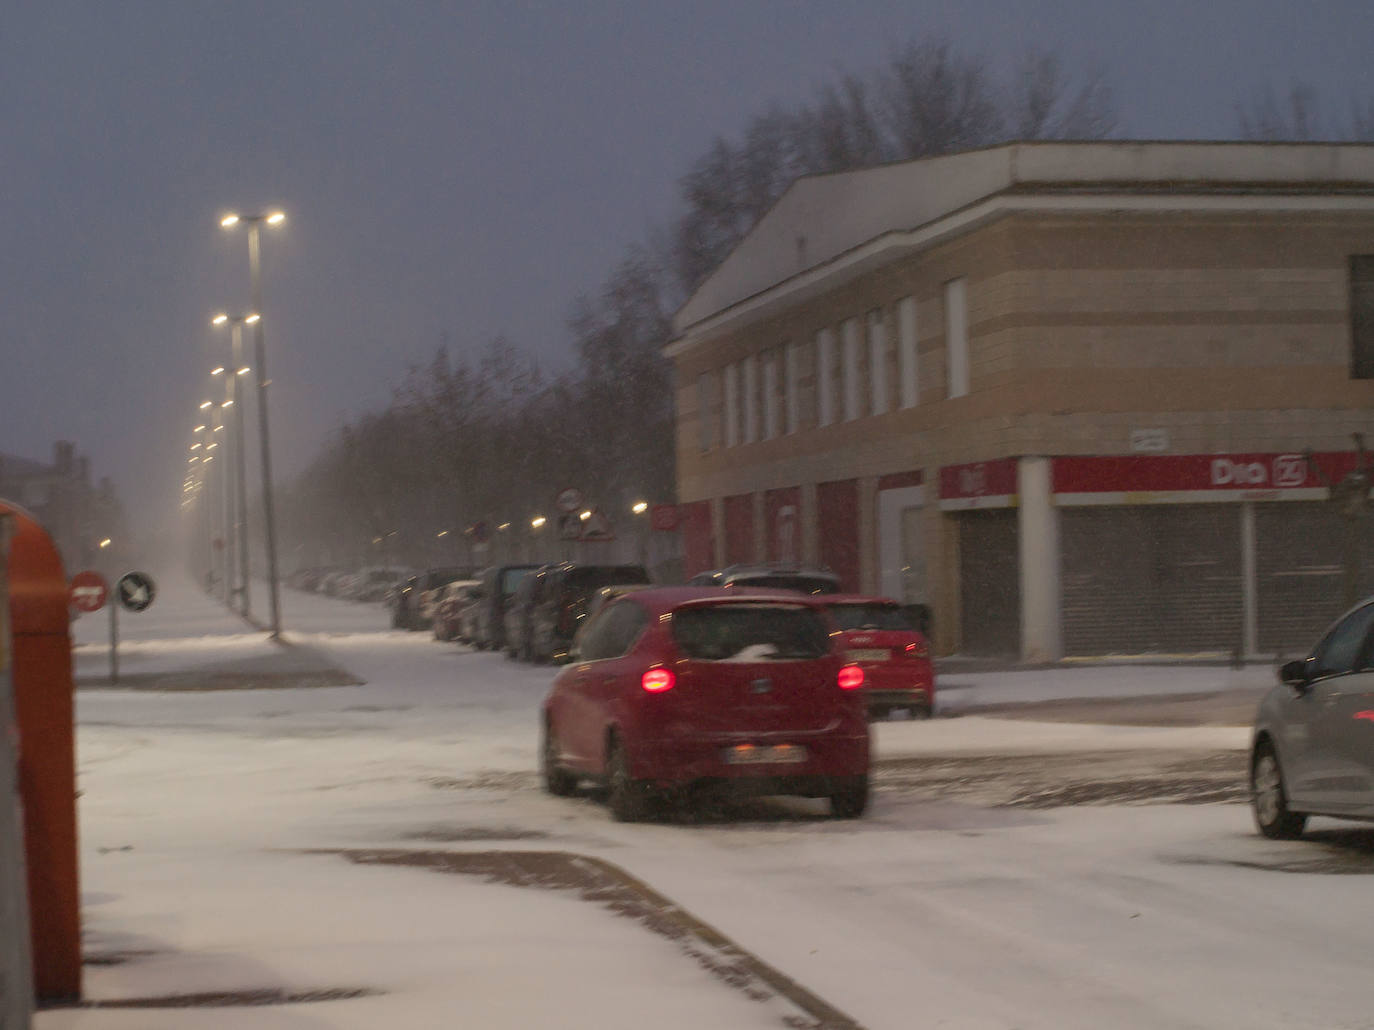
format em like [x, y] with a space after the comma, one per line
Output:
[557, 780]
[851, 800]
[877, 712]
[1269, 797]
[920, 711]
[627, 799]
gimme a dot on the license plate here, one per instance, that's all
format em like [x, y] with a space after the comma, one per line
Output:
[764, 754]
[874, 654]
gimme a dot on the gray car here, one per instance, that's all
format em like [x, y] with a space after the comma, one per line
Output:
[1313, 749]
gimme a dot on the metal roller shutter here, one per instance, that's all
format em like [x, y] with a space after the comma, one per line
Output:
[990, 583]
[1300, 572]
[1145, 579]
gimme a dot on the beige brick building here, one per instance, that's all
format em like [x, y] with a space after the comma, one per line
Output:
[1058, 391]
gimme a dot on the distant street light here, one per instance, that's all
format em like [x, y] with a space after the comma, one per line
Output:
[239, 537]
[105, 543]
[254, 223]
[640, 507]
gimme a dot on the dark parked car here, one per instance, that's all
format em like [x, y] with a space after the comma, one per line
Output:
[497, 587]
[878, 634]
[806, 579]
[558, 603]
[684, 689]
[413, 603]
[1312, 751]
[515, 637]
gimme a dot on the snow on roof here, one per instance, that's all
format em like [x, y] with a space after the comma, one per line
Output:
[824, 218]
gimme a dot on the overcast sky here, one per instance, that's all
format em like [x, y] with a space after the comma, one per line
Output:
[448, 168]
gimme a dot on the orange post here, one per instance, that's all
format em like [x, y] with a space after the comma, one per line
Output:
[45, 714]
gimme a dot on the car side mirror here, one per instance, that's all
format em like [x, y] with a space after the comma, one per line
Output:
[1294, 674]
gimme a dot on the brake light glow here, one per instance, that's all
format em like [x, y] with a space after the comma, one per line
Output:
[851, 677]
[656, 681]
[917, 650]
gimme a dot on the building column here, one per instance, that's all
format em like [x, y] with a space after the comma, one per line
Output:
[717, 532]
[1249, 598]
[760, 515]
[809, 524]
[868, 535]
[1038, 532]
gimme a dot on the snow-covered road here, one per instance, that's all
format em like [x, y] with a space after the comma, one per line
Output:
[197, 807]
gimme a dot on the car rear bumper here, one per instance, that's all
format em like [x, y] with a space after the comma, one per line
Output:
[898, 697]
[676, 763]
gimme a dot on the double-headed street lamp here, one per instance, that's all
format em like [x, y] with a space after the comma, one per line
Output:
[231, 393]
[254, 224]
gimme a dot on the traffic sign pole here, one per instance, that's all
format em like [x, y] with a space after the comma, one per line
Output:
[114, 643]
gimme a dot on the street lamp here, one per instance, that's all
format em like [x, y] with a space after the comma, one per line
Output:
[231, 390]
[255, 223]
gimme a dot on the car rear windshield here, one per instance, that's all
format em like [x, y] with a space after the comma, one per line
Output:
[510, 579]
[587, 579]
[870, 616]
[438, 577]
[750, 632]
[801, 584]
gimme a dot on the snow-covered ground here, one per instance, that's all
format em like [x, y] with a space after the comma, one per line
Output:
[210, 823]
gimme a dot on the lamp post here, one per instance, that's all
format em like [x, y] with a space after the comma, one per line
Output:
[254, 223]
[638, 509]
[231, 391]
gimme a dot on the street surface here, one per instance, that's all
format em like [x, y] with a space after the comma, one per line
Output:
[1018, 868]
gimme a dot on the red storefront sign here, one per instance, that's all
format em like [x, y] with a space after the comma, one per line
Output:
[979, 484]
[1163, 478]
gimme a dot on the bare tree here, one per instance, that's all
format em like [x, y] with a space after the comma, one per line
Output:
[1267, 117]
[1042, 103]
[933, 100]
[1362, 120]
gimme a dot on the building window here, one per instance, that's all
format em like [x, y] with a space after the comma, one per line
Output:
[877, 363]
[956, 336]
[1362, 317]
[849, 367]
[790, 373]
[704, 410]
[770, 395]
[906, 351]
[825, 377]
[731, 405]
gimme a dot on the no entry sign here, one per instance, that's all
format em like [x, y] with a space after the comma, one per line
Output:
[88, 591]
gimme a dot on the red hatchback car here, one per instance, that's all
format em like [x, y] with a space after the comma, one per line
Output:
[684, 688]
[894, 655]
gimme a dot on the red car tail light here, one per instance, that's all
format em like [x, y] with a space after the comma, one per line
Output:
[656, 681]
[917, 650]
[851, 677]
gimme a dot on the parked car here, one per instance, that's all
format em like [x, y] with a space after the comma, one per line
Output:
[681, 689]
[372, 584]
[605, 595]
[878, 634]
[1312, 752]
[806, 579]
[414, 599]
[498, 584]
[450, 621]
[515, 638]
[557, 604]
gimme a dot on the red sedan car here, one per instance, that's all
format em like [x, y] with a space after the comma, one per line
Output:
[686, 688]
[894, 655]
